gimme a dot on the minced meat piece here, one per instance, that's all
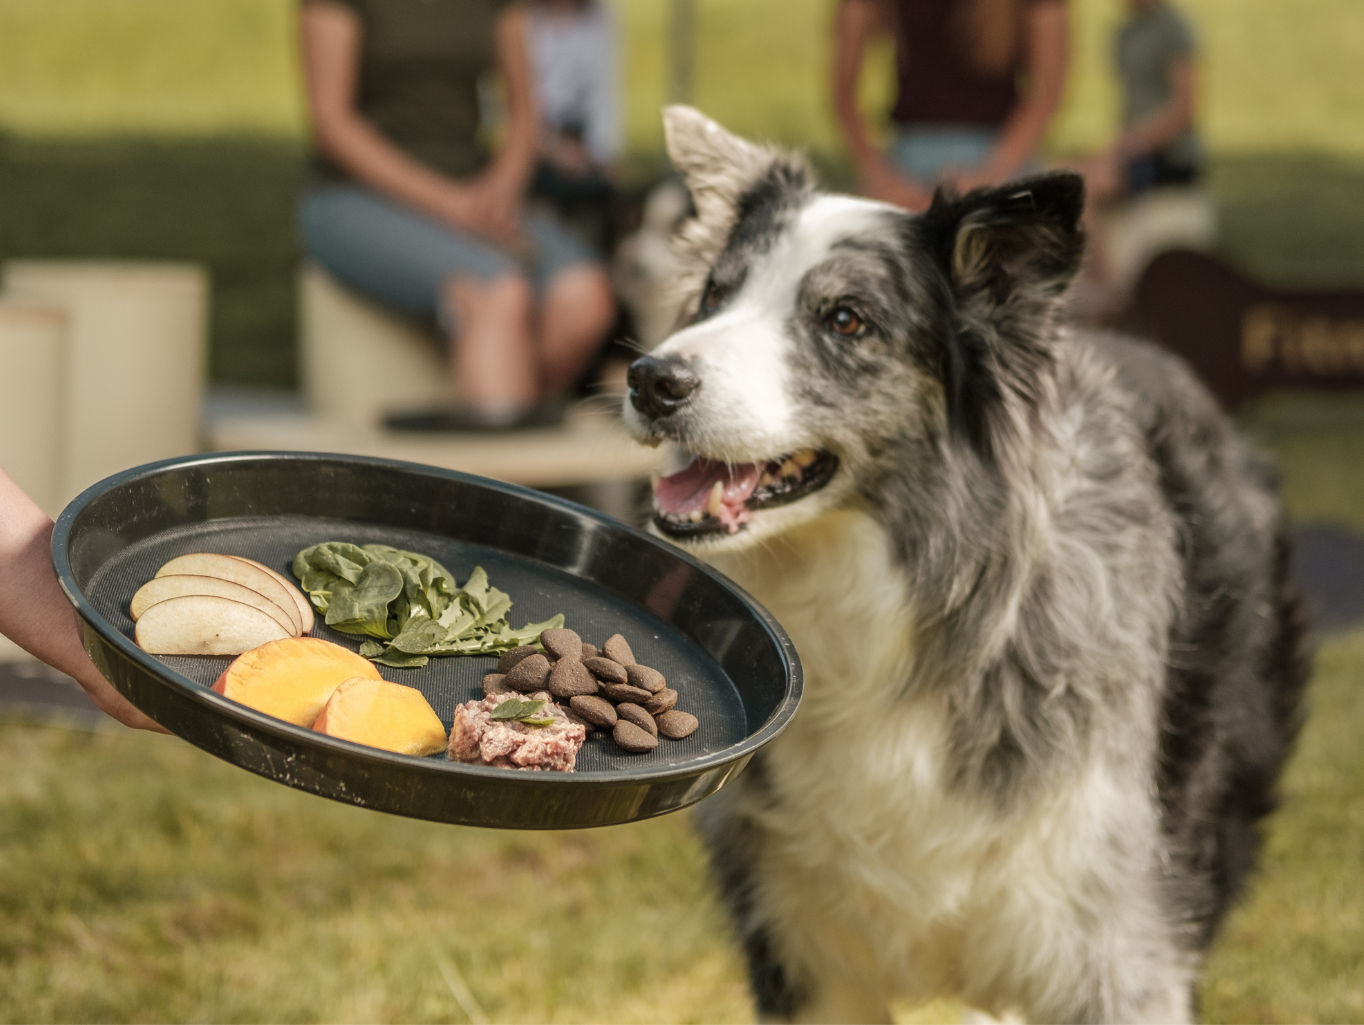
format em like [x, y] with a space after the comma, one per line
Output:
[479, 739]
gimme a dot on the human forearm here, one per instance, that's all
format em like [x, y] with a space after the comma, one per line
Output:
[856, 21]
[35, 614]
[1167, 123]
[1022, 133]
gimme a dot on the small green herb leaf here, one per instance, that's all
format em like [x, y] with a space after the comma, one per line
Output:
[522, 710]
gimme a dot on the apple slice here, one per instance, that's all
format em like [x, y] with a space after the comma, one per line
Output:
[177, 585]
[382, 714]
[227, 568]
[205, 624]
[305, 608]
[292, 679]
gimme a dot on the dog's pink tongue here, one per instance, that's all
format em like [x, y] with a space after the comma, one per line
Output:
[688, 491]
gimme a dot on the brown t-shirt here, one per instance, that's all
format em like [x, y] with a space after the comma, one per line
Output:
[420, 64]
[938, 82]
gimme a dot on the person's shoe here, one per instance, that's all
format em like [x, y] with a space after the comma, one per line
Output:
[468, 420]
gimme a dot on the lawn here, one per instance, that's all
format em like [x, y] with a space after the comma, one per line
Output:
[141, 880]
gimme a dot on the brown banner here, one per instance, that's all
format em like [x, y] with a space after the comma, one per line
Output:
[1243, 338]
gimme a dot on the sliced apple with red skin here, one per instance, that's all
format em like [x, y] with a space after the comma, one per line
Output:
[225, 567]
[305, 608]
[205, 624]
[384, 715]
[292, 678]
[177, 585]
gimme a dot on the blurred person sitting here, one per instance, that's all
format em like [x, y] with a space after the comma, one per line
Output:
[1157, 147]
[978, 84]
[35, 614]
[407, 206]
[574, 60]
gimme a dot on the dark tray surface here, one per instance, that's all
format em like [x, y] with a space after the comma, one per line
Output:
[538, 591]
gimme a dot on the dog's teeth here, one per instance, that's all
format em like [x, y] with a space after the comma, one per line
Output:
[766, 480]
[717, 491]
[696, 516]
[804, 457]
[790, 469]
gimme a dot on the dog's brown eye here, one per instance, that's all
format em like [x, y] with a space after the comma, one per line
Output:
[844, 321]
[712, 297]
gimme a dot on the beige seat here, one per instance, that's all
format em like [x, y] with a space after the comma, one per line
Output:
[32, 406]
[133, 362]
[1169, 217]
[360, 361]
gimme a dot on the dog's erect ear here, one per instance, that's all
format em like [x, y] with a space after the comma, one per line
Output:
[1020, 241]
[717, 166]
[1008, 254]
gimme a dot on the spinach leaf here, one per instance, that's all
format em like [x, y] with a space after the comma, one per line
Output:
[364, 609]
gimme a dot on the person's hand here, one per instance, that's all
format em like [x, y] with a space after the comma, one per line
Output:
[487, 206]
[569, 155]
[34, 612]
[878, 180]
[101, 691]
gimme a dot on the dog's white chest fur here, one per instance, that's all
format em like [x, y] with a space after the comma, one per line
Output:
[872, 863]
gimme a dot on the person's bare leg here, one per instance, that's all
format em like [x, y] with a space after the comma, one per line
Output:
[493, 351]
[577, 311]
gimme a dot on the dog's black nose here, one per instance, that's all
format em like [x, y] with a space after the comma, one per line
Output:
[660, 386]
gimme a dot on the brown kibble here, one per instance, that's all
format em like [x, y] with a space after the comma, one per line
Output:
[607, 670]
[597, 711]
[645, 678]
[624, 692]
[508, 661]
[631, 738]
[495, 683]
[633, 713]
[590, 651]
[661, 702]
[570, 677]
[559, 643]
[529, 674]
[676, 724]
[617, 650]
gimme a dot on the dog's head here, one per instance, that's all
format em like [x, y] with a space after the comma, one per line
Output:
[826, 342]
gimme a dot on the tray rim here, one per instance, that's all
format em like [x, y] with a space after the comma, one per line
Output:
[230, 710]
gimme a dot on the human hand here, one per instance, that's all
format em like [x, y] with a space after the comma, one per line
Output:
[485, 208]
[34, 612]
[878, 180]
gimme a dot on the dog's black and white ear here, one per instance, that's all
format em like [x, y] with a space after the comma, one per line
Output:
[717, 166]
[1020, 242]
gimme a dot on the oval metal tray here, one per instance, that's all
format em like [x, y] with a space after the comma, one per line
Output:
[732, 665]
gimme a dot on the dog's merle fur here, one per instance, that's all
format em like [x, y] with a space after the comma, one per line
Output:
[1054, 660]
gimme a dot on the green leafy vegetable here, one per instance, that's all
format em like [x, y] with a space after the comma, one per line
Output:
[522, 710]
[411, 602]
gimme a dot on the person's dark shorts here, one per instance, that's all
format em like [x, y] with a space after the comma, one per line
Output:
[1152, 171]
[402, 259]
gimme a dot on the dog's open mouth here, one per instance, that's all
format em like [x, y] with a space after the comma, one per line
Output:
[709, 497]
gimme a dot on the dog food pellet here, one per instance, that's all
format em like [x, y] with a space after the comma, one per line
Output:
[508, 660]
[597, 711]
[494, 683]
[589, 651]
[619, 692]
[645, 678]
[661, 702]
[529, 674]
[569, 677]
[633, 713]
[617, 650]
[676, 724]
[629, 737]
[560, 643]
[606, 670]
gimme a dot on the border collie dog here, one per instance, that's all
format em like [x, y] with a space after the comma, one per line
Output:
[1053, 660]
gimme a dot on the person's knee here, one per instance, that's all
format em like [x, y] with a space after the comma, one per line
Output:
[507, 296]
[587, 291]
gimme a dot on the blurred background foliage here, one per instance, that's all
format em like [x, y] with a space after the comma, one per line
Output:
[176, 130]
